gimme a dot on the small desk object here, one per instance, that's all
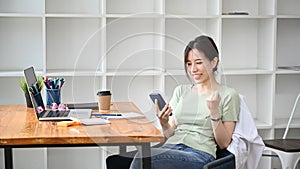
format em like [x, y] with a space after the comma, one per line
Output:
[21, 129]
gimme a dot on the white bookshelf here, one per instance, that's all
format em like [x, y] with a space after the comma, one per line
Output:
[134, 47]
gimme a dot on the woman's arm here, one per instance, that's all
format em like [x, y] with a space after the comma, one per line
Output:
[223, 133]
[222, 130]
[169, 128]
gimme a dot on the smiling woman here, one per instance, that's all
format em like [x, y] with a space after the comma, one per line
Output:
[204, 113]
[201, 54]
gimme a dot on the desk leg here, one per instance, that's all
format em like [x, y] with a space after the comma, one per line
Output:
[123, 149]
[8, 158]
[146, 156]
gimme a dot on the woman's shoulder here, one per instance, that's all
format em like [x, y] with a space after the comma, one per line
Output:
[229, 89]
[229, 92]
[181, 89]
[184, 87]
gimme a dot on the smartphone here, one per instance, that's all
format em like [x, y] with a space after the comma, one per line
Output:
[161, 102]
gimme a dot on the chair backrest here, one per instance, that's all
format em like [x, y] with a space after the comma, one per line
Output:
[225, 160]
[222, 153]
[291, 117]
[246, 144]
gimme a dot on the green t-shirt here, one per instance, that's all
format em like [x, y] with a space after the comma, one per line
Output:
[191, 115]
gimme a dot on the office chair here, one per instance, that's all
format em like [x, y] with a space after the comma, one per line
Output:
[225, 160]
[288, 150]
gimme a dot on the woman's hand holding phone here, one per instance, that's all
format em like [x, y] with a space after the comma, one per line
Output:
[164, 114]
[162, 109]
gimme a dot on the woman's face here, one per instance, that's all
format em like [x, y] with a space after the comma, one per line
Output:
[199, 67]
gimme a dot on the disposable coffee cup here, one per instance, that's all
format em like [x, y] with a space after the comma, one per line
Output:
[104, 99]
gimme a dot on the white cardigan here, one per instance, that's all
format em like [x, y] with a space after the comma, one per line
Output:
[246, 144]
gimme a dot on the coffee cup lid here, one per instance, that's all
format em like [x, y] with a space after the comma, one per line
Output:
[103, 93]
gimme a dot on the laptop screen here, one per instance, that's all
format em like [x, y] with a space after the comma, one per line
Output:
[30, 76]
[35, 95]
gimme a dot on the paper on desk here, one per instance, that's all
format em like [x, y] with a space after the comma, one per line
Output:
[94, 121]
[129, 115]
[124, 115]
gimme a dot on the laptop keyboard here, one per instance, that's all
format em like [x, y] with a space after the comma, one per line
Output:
[58, 113]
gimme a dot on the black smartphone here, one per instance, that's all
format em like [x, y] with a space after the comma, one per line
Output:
[161, 102]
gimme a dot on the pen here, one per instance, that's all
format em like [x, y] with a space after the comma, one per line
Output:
[31, 90]
[52, 84]
[61, 82]
[46, 84]
[55, 83]
[36, 87]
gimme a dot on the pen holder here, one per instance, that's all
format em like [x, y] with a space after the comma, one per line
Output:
[52, 96]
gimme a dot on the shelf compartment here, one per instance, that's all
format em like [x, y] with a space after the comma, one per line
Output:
[288, 40]
[288, 7]
[293, 133]
[24, 6]
[133, 6]
[282, 122]
[176, 39]
[134, 44]
[77, 41]
[192, 8]
[265, 133]
[257, 91]
[249, 43]
[256, 7]
[80, 89]
[285, 98]
[21, 39]
[13, 93]
[74, 7]
[129, 88]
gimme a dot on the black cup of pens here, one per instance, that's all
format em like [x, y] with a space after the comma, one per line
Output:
[53, 88]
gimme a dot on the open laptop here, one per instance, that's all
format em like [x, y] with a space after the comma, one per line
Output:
[39, 107]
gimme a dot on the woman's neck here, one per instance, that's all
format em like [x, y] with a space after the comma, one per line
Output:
[207, 88]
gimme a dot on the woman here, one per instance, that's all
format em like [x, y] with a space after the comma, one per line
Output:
[204, 113]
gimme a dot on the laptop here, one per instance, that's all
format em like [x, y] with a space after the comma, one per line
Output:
[39, 107]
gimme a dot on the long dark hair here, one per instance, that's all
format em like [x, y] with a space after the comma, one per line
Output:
[203, 44]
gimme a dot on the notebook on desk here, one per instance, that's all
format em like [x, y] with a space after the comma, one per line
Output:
[39, 107]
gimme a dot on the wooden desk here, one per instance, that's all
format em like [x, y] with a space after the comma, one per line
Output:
[20, 128]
